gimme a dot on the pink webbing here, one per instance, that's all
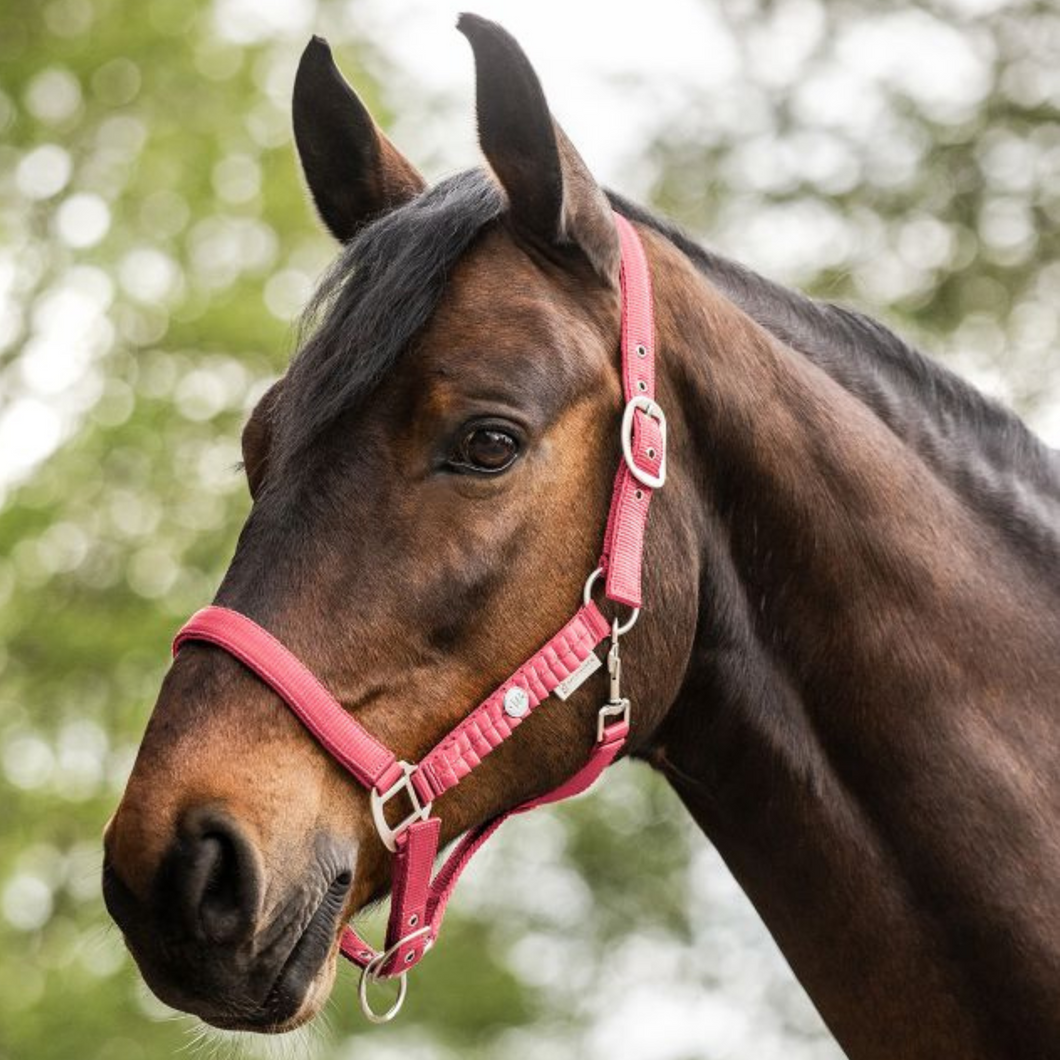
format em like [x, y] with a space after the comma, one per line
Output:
[416, 902]
[410, 898]
[603, 754]
[623, 550]
[409, 953]
[488, 726]
[342, 737]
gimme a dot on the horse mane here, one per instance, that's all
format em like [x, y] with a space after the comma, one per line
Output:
[375, 300]
[385, 285]
[982, 449]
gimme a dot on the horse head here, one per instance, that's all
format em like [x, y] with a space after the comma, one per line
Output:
[430, 481]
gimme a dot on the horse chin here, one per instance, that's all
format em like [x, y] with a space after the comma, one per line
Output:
[235, 1032]
[316, 995]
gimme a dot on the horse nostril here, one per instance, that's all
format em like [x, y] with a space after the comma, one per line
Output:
[217, 878]
[220, 908]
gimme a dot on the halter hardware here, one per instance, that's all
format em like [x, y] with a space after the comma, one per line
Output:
[368, 975]
[653, 409]
[559, 668]
[616, 705]
[587, 597]
[420, 810]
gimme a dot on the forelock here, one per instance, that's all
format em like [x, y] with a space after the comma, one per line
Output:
[373, 302]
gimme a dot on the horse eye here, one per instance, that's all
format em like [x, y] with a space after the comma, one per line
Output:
[488, 450]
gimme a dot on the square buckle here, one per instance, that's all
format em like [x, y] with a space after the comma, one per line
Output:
[420, 811]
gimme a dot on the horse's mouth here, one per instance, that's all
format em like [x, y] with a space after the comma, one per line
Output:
[287, 1004]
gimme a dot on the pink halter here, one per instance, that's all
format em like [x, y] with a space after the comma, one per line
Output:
[561, 666]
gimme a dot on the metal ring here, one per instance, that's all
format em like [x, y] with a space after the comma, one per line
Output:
[587, 595]
[368, 974]
[362, 993]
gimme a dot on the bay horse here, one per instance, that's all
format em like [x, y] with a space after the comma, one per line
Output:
[848, 666]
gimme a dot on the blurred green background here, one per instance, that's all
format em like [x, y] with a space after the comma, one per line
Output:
[155, 249]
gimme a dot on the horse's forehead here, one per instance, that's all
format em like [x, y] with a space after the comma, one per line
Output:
[501, 298]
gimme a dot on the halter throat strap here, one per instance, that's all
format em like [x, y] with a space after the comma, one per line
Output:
[556, 670]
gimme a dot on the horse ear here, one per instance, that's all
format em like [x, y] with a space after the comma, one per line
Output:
[353, 171]
[553, 199]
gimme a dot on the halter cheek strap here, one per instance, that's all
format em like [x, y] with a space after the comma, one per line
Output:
[418, 901]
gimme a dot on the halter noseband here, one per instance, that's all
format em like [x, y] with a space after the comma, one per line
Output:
[559, 668]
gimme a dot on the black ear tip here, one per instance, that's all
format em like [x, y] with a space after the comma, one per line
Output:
[475, 26]
[317, 46]
[315, 57]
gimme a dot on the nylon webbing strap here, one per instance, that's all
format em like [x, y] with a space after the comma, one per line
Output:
[344, 738]
[627, 521]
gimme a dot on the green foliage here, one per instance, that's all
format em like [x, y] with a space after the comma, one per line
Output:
[903, 159]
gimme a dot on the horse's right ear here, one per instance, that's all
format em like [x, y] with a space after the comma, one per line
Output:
[353, 171]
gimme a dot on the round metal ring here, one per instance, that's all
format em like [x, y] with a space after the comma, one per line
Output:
[368, 972]
[587, 595]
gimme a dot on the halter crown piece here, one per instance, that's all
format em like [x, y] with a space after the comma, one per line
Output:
[417, 901]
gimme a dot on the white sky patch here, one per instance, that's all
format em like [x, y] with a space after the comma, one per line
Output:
[148, 274]
[1046, 423]
[54, 95]
[251, 21]
[48, 388]
[26, 902]
[934, 62]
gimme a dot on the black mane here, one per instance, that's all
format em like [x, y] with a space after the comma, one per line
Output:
[386, 284]
[376, 298]
[984, 450]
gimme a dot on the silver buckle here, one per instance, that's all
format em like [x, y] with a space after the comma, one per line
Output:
[420, 811]
[652, 409]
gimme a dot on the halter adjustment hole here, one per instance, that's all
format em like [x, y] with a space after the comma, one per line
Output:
[414, 920]
[641, 350]
[641, 385]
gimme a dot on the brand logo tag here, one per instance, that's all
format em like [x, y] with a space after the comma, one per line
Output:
[569, 685]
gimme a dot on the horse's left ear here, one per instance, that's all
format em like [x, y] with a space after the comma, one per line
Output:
[553, 199]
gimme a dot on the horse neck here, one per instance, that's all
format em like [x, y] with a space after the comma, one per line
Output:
[867, 726]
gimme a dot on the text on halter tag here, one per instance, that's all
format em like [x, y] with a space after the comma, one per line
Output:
[569, 685]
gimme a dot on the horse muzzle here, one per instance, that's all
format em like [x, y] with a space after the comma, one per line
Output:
[215, 937]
